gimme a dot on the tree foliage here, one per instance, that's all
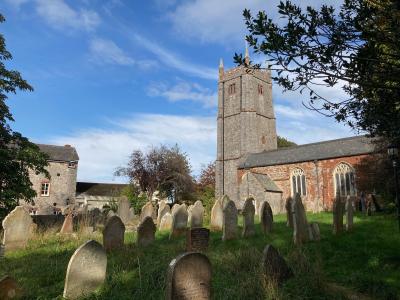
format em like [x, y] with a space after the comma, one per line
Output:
[17, 154]
[164, 169]
[207, 176]
[283, 142]
[354, 48]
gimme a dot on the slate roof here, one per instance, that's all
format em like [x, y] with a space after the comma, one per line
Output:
[309, 152]
[99, 189]
[60, 153]
[267, 183]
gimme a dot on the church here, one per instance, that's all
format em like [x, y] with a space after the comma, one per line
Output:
[249, 164]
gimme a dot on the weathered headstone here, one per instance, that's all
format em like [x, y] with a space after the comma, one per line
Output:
[113, 234]
[266, 217]
[230, 219]
[86, 270]
[275, 266]
[9, 288]
[248, 218]
[217, 216]
[314, 233]
[161, 212]
[68, 225]
[110, 214]
[17, 229]
[123, 209]
[189, 277]
[300, 225]
[166, 222]
[174, 208]
[289, 212]
[161, 204]
[196, 215]
[338, 215]
[349, 213]
[147, 211]
[146, 232]
[179, 221]
[197, 239]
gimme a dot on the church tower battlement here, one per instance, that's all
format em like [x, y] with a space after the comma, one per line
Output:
[246, 122]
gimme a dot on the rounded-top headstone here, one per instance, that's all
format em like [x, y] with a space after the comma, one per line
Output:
[248, 212]
[113, 234]
[216, 216]
[179, 221]
[189, 277]
[230, 220]
[9, 288]
[161, 212]
[146, 232]
[166, 222]
[300, 224]
[147, 211]
[275, 266]
[17, 229]
[174, 208]
[266, 217]
[196, 215]
[123, 209]
[86, 270]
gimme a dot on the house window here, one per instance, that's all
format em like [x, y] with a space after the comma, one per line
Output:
[232, 89]
[344, 178]
[298, 182]
[72, 164]
[260, 89]
[45, 190]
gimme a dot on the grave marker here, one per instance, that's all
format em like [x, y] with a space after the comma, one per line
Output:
[179, 221]
[166, 222]
[17, 227]
[230, 219]
[197, 239]
[113, 234]
[9, 288]
[300, 225]
[275, 266]
[68, 225]
[266, 217]
[248, 218]
[196, 215]
[146, 232]
[217, 216]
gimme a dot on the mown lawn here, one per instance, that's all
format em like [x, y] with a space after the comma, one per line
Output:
[366, 261]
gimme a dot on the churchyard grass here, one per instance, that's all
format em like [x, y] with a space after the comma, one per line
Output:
[365, 261]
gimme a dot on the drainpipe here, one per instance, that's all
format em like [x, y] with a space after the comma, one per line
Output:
[318, 190]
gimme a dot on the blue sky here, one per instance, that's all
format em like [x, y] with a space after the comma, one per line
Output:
[113, 76]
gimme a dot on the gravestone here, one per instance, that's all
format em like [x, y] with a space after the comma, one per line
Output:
[337, 215]
[196, 215]
[217, 216]
[300, 225]
[17, 227]
[179, 221]
[9, 288]
[314, 233]
[189, 277]
[197, 239]
[146, 232]
[86, 270]
[161, 212]
[266, 217]
[113, 234]
[289, 212]
[147, 211]
[230, 219]
[166, 222]
[174, 208]
[248, 218]
[275, 267]
[161, 204]
[349, 213]
[123, 209]
[110, 214]
[68, 225]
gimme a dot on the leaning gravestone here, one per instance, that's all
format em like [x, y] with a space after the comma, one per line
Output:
[266, 217]
[196, 215]
[147, 211]
[145, 232]
[197, 239]
[113, 234]
[217, 216]
[337, 215]
[300, 225]
[166, 222]
[161, 212]
[86, 270]
[248, 218]
[123, 209]
[289, 212]
[349, 213]
[275, 267]
[9, 288]
[68, 225]
[189, 277]
[179, 221]
[230, 219]
[17, 229]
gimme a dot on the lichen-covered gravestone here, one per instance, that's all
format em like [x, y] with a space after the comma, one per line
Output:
[113, 234]
[123, 209]
[230, 219]
[147, 211]
[161, 213]
[289, 212]
[266, 217]
[68, 225]
[17, 229]
[349, 213]
[337, 215]
[146, 232]
[196, 215]
[9, 289]
[189, 277]
[166, 222]
[275, 267]
[86, 270]
[179, 221]
[300, 225]
[248, 218]
[217, 216]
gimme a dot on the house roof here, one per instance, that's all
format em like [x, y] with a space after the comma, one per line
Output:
[60, 153]
[267, 183]
[350, 146]
[99, 189]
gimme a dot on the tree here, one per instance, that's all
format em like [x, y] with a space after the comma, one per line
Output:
[207, 176]
[162, 169]
[283, 142]
[354, 48]
[17, 154]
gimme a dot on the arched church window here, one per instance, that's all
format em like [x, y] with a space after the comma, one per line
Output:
[299, 182]
[344, 178]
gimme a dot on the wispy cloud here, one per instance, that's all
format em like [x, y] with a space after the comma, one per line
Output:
[184, 91]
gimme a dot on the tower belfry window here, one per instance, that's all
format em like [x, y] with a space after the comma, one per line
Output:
[232, 89]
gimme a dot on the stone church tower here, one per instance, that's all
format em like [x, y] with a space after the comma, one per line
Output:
[246, 122]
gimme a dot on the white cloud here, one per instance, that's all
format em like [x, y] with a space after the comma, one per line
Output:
[16, 3]
[60, 15]
[291, 112]
[184, 91]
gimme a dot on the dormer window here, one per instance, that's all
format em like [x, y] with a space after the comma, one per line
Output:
[260, 89]
[232, 89]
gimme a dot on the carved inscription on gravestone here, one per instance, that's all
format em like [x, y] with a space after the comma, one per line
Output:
[197, 239]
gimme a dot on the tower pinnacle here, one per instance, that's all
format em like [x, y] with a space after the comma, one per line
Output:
[247, 56]
[221, 67]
